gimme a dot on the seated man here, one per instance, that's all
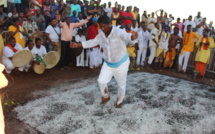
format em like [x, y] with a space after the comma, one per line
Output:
[40, 48]
[8, 52]
[30, 47]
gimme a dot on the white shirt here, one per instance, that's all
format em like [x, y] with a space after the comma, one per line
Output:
[151, 26]
[134, 29]
[187, 22]
[114, 45]
[198, 20]
[200, 30]
[108, 10]
[8, 53]
[41, 51]
[143, 38]
[75, 32]
[153, 35]
[33, 51]
[52, 34]
[80, 38]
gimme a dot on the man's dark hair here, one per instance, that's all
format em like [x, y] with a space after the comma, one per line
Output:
[27, 42]
[176, 28]
[189, 26]
[37, 39]
[206, 30]
[52, 19]
[156, 24]
[11, 38]
[15, 19]
[143, 22]
[104, 19]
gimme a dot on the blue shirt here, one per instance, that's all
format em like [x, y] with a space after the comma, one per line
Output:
[75, 7]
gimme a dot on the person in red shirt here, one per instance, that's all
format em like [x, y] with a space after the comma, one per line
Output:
[94, 52]
[32, 10]
[127, 16]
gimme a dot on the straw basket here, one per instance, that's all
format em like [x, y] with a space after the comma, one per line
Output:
[51, 59]
[39, 68]
[22, 58]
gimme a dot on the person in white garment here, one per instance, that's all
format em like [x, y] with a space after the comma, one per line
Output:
[153, 42]
[116, 61]
[143, 38]
[40, 48]
[82, 59]
[52, 34]
[109, 10]
[198, 19]
[189, 22]
[162, 47]
[30, 47]
[201, 26]
[8, 52]
[3, 83]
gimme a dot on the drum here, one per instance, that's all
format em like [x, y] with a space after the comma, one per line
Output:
[39, 68]
[51, 59]
[38, 35]
[22, 58]
[77, 51]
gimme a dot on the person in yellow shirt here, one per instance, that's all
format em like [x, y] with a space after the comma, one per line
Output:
[18, 32]
[188, 47]
[204, 46]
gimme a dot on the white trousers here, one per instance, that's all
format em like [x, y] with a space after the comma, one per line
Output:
[152, 54]
[184, 57]
[94, 58]
[119, 73]
[9, 66]
[141, 55]
[80, 59]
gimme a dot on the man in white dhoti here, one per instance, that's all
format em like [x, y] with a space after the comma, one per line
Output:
[143, 38]
[153, 42]
[8, 52]
[112, 41]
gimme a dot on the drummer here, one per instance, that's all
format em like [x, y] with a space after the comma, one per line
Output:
[30, 46]
[40, 48]
[8, 52]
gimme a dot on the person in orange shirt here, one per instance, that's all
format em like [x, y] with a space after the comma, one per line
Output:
[188, 47]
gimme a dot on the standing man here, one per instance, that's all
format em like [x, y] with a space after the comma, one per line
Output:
[204, 46]
[188, 47]
[172, 52]
[198, 19]
[94, 52]
[52, 33]
[109, 10]
[162, 47]
[66, 37]
[143, 38]
[153, 42]
[127, 17]
[189, 22]
[116, 61]
[201, 26]
[75, 7]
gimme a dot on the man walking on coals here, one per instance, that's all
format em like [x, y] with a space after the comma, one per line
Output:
[112, 41]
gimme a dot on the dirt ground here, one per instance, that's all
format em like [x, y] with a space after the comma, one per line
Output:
[23, 86]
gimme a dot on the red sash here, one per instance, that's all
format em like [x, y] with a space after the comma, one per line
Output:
[12, 48]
